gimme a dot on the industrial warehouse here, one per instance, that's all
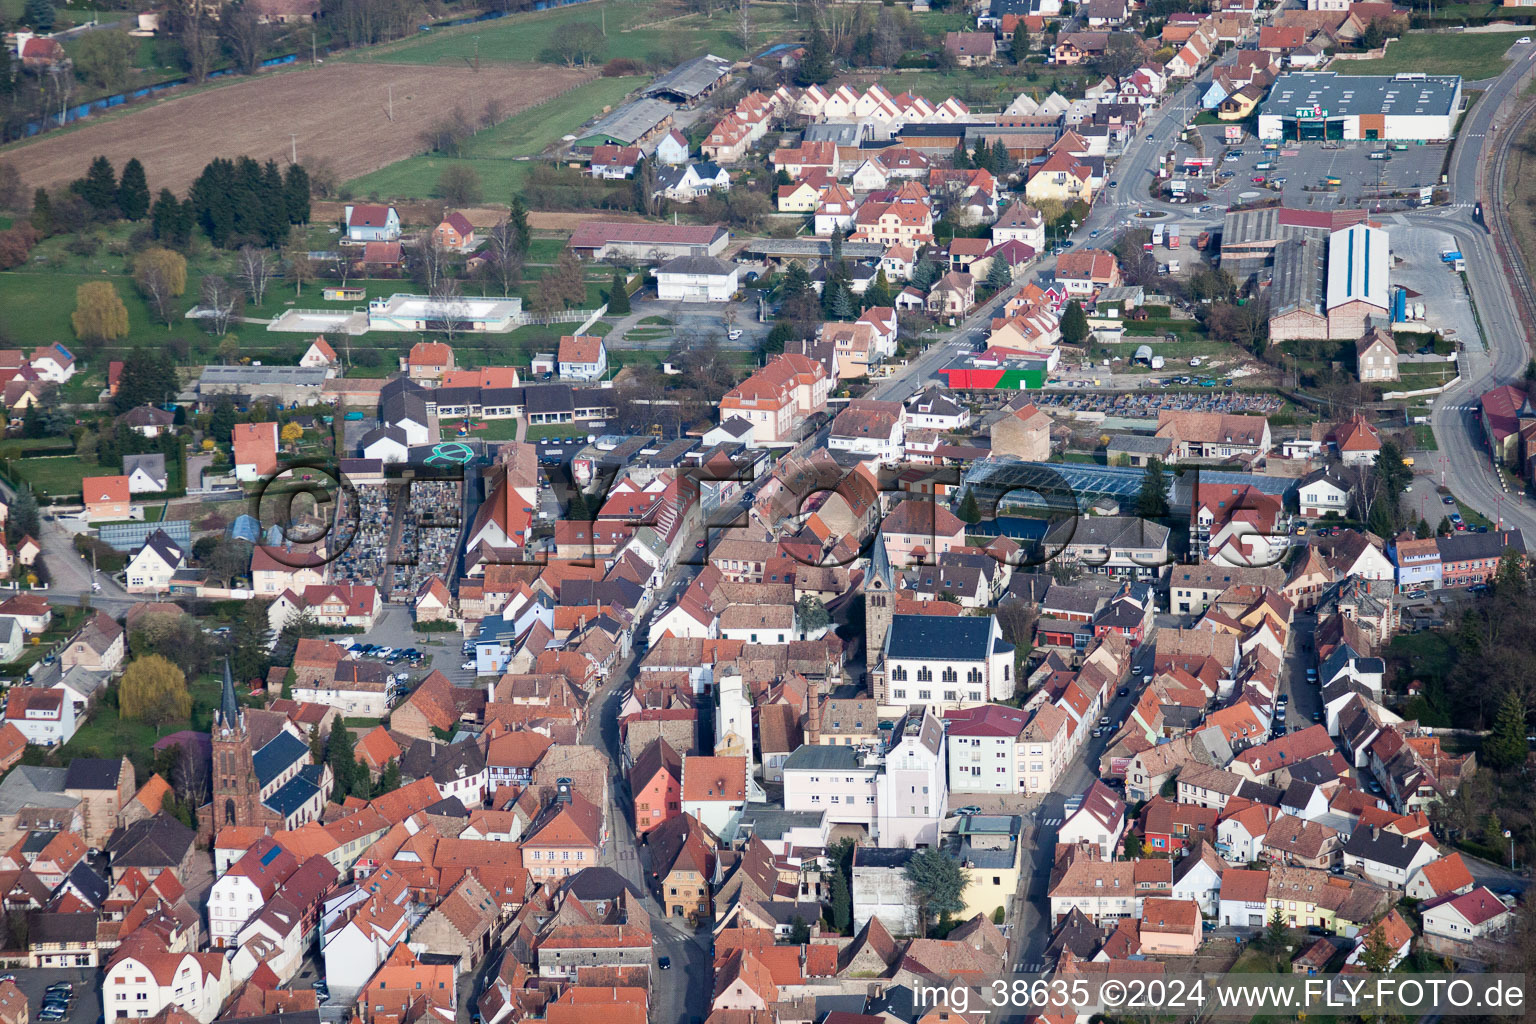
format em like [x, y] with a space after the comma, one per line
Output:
[1316, 106]
[1330, 289]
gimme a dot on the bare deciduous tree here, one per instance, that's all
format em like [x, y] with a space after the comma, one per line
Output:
[504, 258]
[221, 304]
[432, 263]
[245, 36]
[744, 26]
[450, 311]
[493, 113]
[253, 269]
[159, 292]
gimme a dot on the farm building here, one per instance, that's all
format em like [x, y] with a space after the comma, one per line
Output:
[652, 242]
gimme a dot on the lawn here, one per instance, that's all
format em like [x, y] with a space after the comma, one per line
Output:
[55, 475]
[1472, 55]
[107, 735]
[500, 155]
[658, 32]
[485, 430]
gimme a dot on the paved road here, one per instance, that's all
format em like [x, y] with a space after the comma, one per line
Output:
[1468, 469]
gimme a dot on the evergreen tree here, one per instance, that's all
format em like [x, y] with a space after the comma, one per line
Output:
[133, 191]
[960, 159]
[1379, 521]
[221, 425]
[42, 212]
[618, 295]
[842, 903]
[39, 14]
[1019, 49]
[925, 274]
[165, 217]
[517, 218]
[1445, 529]
[1422, 531]
[1377, 954]
[274, 200]
[1505, 746]
[981, 158]
[22, 519]
[998, 274]
[341, 755]
[1152, 500]
[251, 642]
[1510, 576]
[1002, 161]
[99, 187]
[1275, 931]
[316, 743]
[389, 779]
[842, 302]
[816, 65]
[879, 291]
[938, 882]
[296, 192]
[1074, 324]
[970, 511]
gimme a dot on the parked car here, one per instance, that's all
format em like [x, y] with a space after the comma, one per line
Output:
[468, 665]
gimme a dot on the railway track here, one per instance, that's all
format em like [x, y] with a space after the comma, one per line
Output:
[1503, 237]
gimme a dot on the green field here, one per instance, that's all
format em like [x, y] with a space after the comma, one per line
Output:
[1472, 55]
[494, 154]
[638, 31]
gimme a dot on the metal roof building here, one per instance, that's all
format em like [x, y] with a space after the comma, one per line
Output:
[1358, 258]
[627, 125]
[1317, 105]
[691, 79]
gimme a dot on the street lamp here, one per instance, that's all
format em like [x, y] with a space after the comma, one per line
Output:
[1511, 837]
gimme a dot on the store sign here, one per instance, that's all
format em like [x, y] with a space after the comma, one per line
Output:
[1312, 111]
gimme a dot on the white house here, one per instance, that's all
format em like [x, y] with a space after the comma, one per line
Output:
[696, 279]
[145, 473]
[275, 936]
[370, 222]
[356, 939]
[869, 429]
[150, 569]
[672, 149]
[44, 717]
[239, 894]
[836, 780]
[945, 662]
[1244, 898]
[1447, 876]
[1197, 877]
[983, 749]
[687, 182]
[142, 985]
[387, 443]
[1099, 820]
[1467, 916]
[714, 789]
[319, 355]
[54, 363]
[1321, 493]
[582, 357]
[1386, 858]
[911, 791]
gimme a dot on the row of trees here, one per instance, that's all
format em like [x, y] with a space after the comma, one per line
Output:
[241, 202]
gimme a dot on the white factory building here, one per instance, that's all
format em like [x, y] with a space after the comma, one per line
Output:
[1306, 106]
[1358, 258]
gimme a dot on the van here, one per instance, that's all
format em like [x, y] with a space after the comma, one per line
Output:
[1380, 154]
[1264, 165]
[1400, 146]
[1408, 461]
[1334, 181]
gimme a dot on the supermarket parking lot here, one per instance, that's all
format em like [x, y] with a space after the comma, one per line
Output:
[1305, 166]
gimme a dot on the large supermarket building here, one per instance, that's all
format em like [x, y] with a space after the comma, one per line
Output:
[1317, 106]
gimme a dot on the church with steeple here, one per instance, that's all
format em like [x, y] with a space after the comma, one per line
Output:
[879, 608]
[261, 772]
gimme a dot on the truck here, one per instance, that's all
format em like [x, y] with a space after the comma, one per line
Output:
[1173, 236]
[1380, 154]
[1203, 240]
[1173, 266]
[1157, 362]
[1450, 255]
[1157, 234]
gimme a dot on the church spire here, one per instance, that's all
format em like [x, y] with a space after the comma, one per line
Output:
[229, 707]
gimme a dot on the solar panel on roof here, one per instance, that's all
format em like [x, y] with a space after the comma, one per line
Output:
[271, 855]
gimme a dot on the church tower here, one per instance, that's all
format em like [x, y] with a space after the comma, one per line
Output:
[879, 608]
[236, 792]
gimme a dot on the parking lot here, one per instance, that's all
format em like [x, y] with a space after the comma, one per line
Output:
[1303, 169]
[1147, 404]
[1416, 252]
[84, 1008]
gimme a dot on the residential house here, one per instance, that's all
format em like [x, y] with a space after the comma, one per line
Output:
[106, 498]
